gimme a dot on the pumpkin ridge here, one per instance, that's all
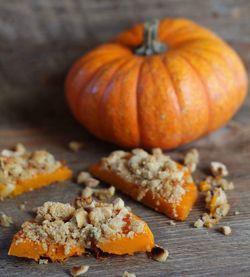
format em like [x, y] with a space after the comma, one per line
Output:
[137, 101]
[87, 82]
[219, 78]
[205, 91]
[162, 59]
[213, 51]
[101, 100]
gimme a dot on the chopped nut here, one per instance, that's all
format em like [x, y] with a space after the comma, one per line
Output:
[159, 254]
[127, 274]
[43, 261]
[79, 270]
[5, 221]
[83, 176]
[171, 223]
[198, 223]
[75, 146]
[226, 230]
[81, 217]
[86, 179]
[104, 194]
[219, 169]
[191, 159]
[87, 192]
[236, 212]
[22, 206]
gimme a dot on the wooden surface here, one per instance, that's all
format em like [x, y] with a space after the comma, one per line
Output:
[38, 42]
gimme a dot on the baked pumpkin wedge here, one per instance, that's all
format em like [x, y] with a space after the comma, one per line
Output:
[153, 179]
[63, 230]
[22, 171]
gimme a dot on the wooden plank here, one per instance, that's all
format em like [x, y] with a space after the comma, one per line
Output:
[38, 42]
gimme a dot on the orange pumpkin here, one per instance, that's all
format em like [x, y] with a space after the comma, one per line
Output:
[138, 91]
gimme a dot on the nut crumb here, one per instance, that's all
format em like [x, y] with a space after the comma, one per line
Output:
[43, 261]
[191, 159]
[22, 206]
[236, 213]
[226, 230]
[75, 146]
[219, 169]
[172, 223]
[86, 179]
[5, 221]
[159, 254]
[79, 270]
[104, 194]
[198, 223]
[127, 274]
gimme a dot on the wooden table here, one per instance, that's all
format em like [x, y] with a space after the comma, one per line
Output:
[39, 41]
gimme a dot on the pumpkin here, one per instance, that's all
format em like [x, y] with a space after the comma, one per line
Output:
[161, 84]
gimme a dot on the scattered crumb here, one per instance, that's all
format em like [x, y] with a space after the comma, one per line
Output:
[172, 223]
[104, 194]
[22, 206]
[191, 159]
[198, 223]
[101, 194]
[5, 221]
[219, 169]
[159, 254]
[43, 261]
[87, 192]
[127, 274]
[79, 270]
[236, 212]
[226, 230]
[75, 146]
[86, 179]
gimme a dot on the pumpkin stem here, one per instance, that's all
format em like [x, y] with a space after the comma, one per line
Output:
[151, 45]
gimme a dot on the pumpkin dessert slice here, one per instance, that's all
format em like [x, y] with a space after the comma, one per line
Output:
[153, 179]
[22, 171]
[63, 230]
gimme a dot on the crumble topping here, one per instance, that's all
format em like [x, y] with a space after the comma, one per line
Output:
[18, 164]
[191, 159]
[5, 221]
[79, 270]
[87, 222]
[155, 172]
[214, 189]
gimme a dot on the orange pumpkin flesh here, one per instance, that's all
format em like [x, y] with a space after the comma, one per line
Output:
[34, 250]
[40, 180]
[143, 242]
[161, 100]
[179, 213]
[24, 247]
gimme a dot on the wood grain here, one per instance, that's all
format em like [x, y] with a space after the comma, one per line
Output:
[38, 42]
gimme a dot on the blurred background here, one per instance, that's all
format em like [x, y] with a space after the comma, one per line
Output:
[40, 39]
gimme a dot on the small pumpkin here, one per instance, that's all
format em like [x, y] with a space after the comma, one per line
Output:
[161, 84]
